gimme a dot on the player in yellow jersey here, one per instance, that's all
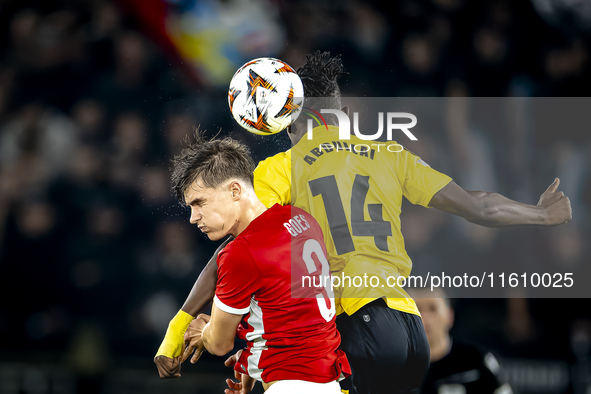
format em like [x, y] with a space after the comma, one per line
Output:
[326, 177]
[356, 196]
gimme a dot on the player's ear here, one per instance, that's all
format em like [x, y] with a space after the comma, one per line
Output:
[235, 190]
[345, 109]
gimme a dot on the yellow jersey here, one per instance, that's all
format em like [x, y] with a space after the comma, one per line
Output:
[354, 190]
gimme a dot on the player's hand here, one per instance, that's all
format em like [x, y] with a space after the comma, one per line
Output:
[244, 387]
[232, 360]
[168, 355]
[556, 205]
[193, 338]
[245, 383]
[168, 367]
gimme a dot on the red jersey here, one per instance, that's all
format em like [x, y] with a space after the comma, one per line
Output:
[287, 337]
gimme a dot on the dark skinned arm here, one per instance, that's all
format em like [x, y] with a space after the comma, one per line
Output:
[204, 288]
[167, 360]
[494, 210]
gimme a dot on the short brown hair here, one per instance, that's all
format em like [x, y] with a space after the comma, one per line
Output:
[213, 161]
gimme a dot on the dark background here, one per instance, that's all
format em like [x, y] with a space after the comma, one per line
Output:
[96, 256]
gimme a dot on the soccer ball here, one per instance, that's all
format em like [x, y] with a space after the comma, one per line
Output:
[265, 96]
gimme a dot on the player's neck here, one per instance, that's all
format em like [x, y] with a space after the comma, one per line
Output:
[252, 209]
[298, 131]
[296, 134]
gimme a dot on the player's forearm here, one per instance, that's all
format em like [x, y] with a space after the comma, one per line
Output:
[495, 210]
[204, 288]
[216, 344]
[172, 345]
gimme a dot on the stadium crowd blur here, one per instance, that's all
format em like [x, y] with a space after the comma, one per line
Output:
[96, 255]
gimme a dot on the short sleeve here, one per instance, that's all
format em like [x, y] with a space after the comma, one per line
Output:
[420, 181]
[272, 180]
[238, 279]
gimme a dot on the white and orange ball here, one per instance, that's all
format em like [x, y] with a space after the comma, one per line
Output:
[265, 96]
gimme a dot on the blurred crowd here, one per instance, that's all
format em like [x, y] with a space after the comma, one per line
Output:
[95, 253]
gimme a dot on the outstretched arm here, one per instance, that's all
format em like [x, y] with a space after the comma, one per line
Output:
[168, 355]
[494, 210]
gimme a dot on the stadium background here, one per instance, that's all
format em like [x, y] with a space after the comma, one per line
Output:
[95, 96]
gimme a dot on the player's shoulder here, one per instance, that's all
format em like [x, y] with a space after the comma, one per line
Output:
[300, 221]
[265, 226]
[283, 213]
[237, 247]
[289, 216]
[299, 211]
[280, 159]
[287, 211]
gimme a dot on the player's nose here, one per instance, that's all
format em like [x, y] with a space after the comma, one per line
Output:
[196, 215]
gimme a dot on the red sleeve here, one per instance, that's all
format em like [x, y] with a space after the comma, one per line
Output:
[238, 279]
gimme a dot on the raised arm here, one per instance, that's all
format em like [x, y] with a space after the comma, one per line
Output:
[494, 210]
[168, 356]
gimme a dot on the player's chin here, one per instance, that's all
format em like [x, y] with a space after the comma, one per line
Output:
[215, 236]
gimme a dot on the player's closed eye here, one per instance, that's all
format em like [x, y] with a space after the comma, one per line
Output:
[197, 203]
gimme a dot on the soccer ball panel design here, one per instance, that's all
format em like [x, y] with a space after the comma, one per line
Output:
[265, 96]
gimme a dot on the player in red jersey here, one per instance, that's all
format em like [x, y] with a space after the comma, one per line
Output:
[291, 341]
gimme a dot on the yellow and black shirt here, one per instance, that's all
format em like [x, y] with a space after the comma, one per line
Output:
[354, 189]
